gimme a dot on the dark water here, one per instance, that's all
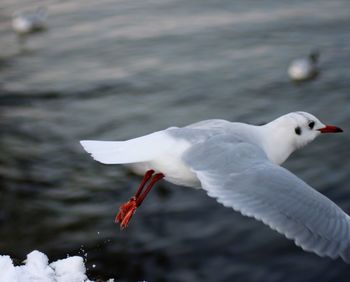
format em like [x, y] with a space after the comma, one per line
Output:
[119, 69]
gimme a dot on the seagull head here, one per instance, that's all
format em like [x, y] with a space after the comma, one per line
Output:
[291, 132]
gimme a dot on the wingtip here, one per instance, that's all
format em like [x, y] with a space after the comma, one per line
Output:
[345, 255]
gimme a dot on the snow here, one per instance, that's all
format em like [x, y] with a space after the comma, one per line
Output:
[8, 272]
[38, 269]
[71, 269]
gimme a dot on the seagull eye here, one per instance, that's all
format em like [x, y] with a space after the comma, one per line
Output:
[312, 124]
[297, 130]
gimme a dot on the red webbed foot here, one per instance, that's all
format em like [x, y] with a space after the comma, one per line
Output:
[127, 210]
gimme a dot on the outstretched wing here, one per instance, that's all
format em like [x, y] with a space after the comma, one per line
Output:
[239, 175]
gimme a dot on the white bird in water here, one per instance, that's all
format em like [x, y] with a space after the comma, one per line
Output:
[304, 68]
[28, 23]
[239, 165]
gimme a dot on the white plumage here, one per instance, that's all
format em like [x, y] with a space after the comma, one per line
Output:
[304, 68]
[141, 149]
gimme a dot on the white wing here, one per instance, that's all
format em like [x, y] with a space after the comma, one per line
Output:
[239, 175]
[135, 150]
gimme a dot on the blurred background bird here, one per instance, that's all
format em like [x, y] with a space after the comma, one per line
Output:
[305, 68]
[27, 23]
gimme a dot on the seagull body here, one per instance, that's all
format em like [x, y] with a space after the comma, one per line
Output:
[239, 165]
[304, 68]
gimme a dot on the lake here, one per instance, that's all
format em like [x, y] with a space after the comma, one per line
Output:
[114, 70]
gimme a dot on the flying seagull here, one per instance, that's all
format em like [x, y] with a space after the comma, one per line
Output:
[238, 164]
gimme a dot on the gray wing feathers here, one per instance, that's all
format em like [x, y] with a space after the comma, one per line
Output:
[239, 175]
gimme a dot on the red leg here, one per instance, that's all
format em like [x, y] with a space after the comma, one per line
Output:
[155, 178]
[127, 210]
[145, 179]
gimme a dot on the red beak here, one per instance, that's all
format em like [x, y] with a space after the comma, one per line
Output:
[330, 129]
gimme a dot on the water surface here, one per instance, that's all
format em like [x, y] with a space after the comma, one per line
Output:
[118, 69]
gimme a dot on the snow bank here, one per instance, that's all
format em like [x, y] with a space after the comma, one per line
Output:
[38, 269]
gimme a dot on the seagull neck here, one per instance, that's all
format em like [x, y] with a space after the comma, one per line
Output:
[274, 143]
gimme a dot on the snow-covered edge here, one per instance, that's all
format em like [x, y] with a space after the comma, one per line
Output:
[38, 269]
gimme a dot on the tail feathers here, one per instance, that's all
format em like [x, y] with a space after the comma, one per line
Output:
[136, 150]
[105, 151]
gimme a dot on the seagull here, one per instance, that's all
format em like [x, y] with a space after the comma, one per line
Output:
[238, 164]
[28, 23]
[304, 68]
